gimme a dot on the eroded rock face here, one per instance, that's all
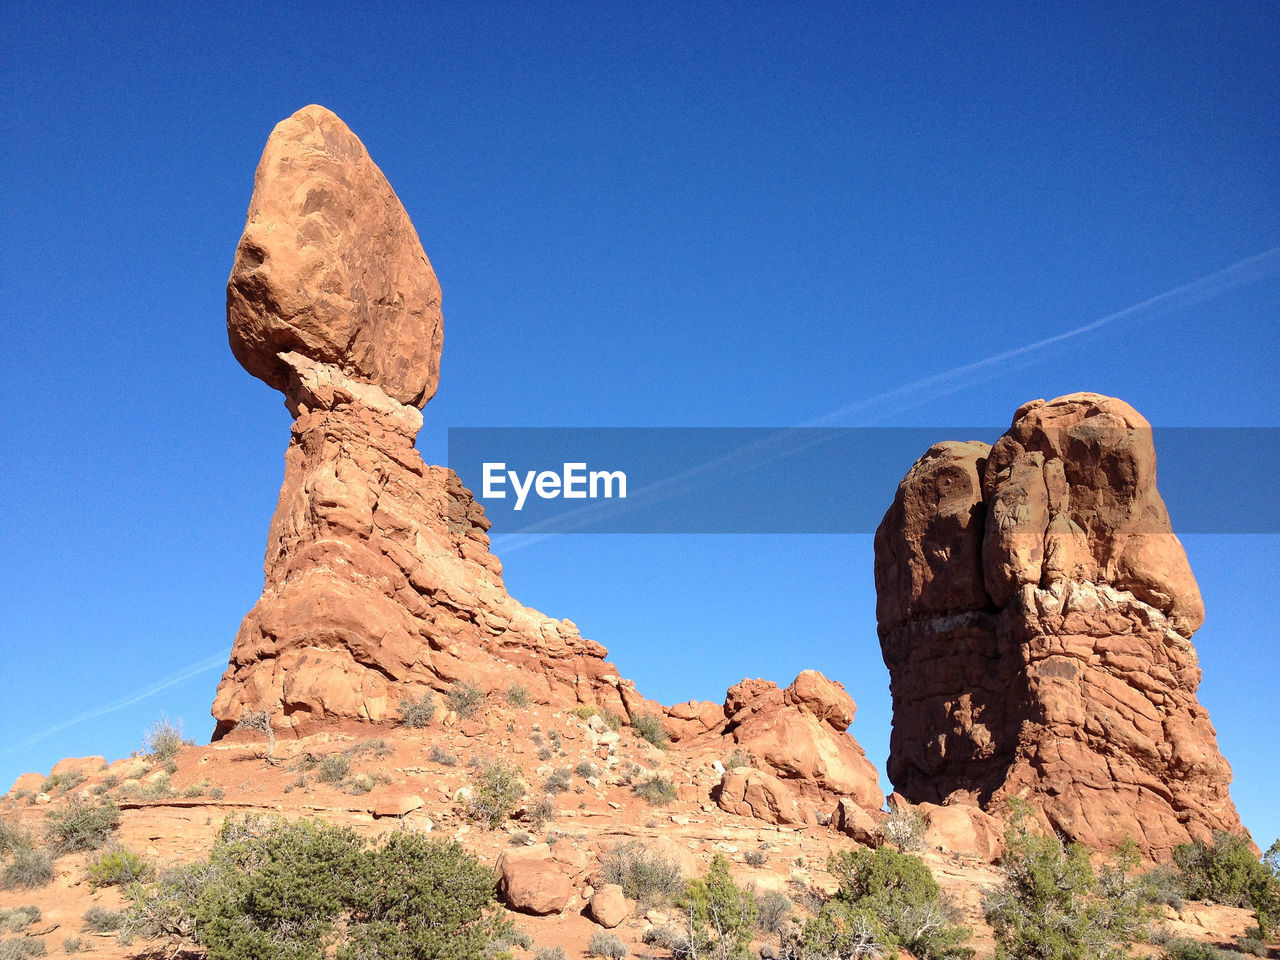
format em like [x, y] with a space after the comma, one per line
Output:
[379, 579]
[330, 267]
[802, 759]
[1035, 611]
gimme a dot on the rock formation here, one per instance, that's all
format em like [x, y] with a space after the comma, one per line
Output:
[379, 578]
[1035, 611]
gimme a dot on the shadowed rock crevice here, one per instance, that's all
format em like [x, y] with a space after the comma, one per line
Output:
[1035, 612]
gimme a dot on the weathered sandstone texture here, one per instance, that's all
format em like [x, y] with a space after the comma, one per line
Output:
[379, 578]
[1035, 611]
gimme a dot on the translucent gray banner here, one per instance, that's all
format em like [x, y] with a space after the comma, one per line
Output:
[802, 480]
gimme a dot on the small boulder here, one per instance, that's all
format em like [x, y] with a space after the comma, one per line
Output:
[609, 907]
[532, 881]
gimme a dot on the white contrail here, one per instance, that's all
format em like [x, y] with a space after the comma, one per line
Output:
[1249, 270]
[185, 673]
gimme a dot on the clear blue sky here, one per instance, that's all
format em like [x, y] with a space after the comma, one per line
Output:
[737, 215]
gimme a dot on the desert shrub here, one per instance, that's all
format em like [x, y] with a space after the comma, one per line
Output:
[1164, 886]
[504, 943]
[606, 945]
[1184, 948]
[465, 699]
[722, 915]
[495, 793]
[101, 920]
[649, 727]
[360, 783]
[904, 828]
[18, 919]
[756, 858]
[22, 948]
[164, 740]
[656, 790]
[545, 753]
[1224, 870]
[74, 945]
[334, 768]
[773, 910]
[82, 825]
[417, 713]
[886, 900]
[1052, 904]
[559, 781]
[1253, 946]
[644, 874]
[550, 953]
[62, 782]
[13, 837]
[442, 756]
[586, 769]
[586, 711]
[517, 695]
[260, 721]
[273, 890]
[119, 866]
[541, 811]
[739, 758]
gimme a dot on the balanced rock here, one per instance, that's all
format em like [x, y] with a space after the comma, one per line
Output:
[379, 580]
[1035, 612]
[330, 268]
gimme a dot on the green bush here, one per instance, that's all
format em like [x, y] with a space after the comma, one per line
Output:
[495, 793]
[606, 945]
[655, 790]
[27, 869]
[164, 740]
[1224, 870]
[62, 782]
[119, 867]
[18, 919]
[886, 900]
[465, 699]
[722, 915]
[82, 825]
[417, 713]
[1052, 904]
[649, 727]
[273, 890]
[644, 874]
[1165, 886]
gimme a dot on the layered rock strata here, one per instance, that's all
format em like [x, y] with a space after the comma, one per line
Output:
[379, 578]
[1035, 611]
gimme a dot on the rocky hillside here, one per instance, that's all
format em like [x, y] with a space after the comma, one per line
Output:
[1035, 613]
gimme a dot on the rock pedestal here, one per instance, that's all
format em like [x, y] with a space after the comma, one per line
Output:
[1036, 611]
